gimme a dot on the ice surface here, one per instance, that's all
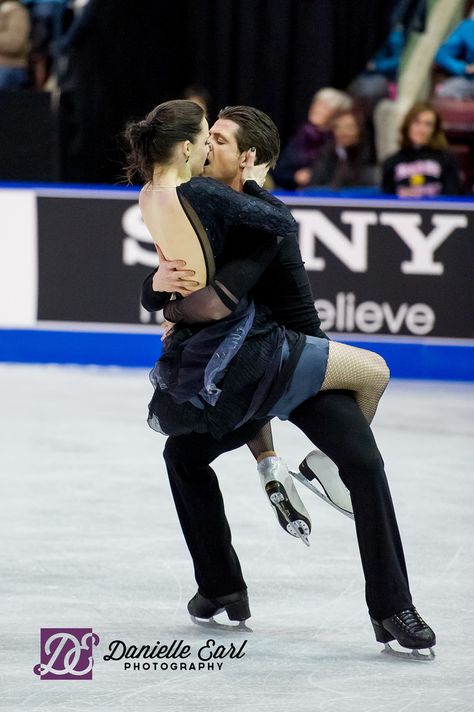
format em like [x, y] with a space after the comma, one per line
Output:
[90, 539]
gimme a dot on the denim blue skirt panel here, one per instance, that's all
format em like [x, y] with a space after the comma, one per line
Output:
[307, 377]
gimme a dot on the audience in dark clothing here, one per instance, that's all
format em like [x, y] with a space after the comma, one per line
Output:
[14, 44]
[424, 166]
[456, 57]
[344, 161]
[293, 169]
[378, 80]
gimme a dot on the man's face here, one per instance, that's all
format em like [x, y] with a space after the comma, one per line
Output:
[224, 159]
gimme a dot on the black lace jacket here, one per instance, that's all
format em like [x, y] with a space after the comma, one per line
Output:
[254, 380]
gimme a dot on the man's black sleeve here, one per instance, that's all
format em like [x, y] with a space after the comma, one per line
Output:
[153, 301]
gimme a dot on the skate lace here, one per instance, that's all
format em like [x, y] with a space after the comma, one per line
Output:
[411, 620]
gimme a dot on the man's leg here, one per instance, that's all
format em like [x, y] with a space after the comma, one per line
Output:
[200, 507]
[334, 423]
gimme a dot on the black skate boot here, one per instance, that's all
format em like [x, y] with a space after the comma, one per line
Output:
[410, 630]
[202, 610]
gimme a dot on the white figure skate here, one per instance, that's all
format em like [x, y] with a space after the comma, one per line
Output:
[318, 468]
[290, 511]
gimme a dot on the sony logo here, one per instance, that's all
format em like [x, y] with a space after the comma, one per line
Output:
[352, 251]
[314, 227]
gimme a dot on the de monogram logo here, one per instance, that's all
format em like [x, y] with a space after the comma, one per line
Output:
[66, 653]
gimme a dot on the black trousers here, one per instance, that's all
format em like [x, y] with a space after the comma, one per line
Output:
[333, 422]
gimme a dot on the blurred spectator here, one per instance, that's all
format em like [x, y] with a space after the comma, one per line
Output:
[424, 166]
[378, 81]
[49, 21]
[14, 44]
[293, 169]
[344, 162]
[198, 94]
[456, 56]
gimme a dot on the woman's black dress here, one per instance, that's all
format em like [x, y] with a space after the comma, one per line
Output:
[226, 361]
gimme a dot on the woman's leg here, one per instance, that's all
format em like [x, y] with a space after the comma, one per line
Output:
[261, 445]
[358, 370]
[278, 485]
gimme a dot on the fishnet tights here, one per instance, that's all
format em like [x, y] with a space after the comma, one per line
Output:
[262, 442]
[358, 370]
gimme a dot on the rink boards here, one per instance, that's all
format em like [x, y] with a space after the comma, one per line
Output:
[394, 276]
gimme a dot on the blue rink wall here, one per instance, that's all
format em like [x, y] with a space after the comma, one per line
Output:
[389, 275]
[422, 360]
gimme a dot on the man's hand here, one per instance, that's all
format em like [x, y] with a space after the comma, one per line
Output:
[171, 277]
[168, 327]
[253, 172]
[469, 69]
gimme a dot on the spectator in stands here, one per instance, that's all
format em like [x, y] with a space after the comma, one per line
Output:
[49, 21]
[344, 161]
[424, 166]
[14, 44]
[294, 169]
[378, 81]
[456, 56]
[198, 94]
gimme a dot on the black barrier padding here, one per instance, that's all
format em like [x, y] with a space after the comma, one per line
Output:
[27, 137]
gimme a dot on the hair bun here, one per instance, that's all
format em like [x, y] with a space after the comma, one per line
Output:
[152, 140]
[145, 128]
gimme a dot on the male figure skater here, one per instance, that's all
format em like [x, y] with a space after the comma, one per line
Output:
[331, 420]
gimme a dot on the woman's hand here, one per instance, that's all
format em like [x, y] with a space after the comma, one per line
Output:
[171, 277]
[253, 172]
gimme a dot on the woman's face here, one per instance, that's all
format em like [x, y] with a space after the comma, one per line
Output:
[346, 131]
[199, 150]
[421, 128]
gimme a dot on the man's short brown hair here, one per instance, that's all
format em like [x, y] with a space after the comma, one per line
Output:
[255, 129]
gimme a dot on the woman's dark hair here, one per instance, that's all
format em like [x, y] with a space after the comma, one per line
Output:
[255, 129]
[437, 142]
[153, 139]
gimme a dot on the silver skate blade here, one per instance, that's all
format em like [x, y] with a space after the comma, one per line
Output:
[413, 656]
[275, 500]
[304, 537]
[240, 627]
[322, 495]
